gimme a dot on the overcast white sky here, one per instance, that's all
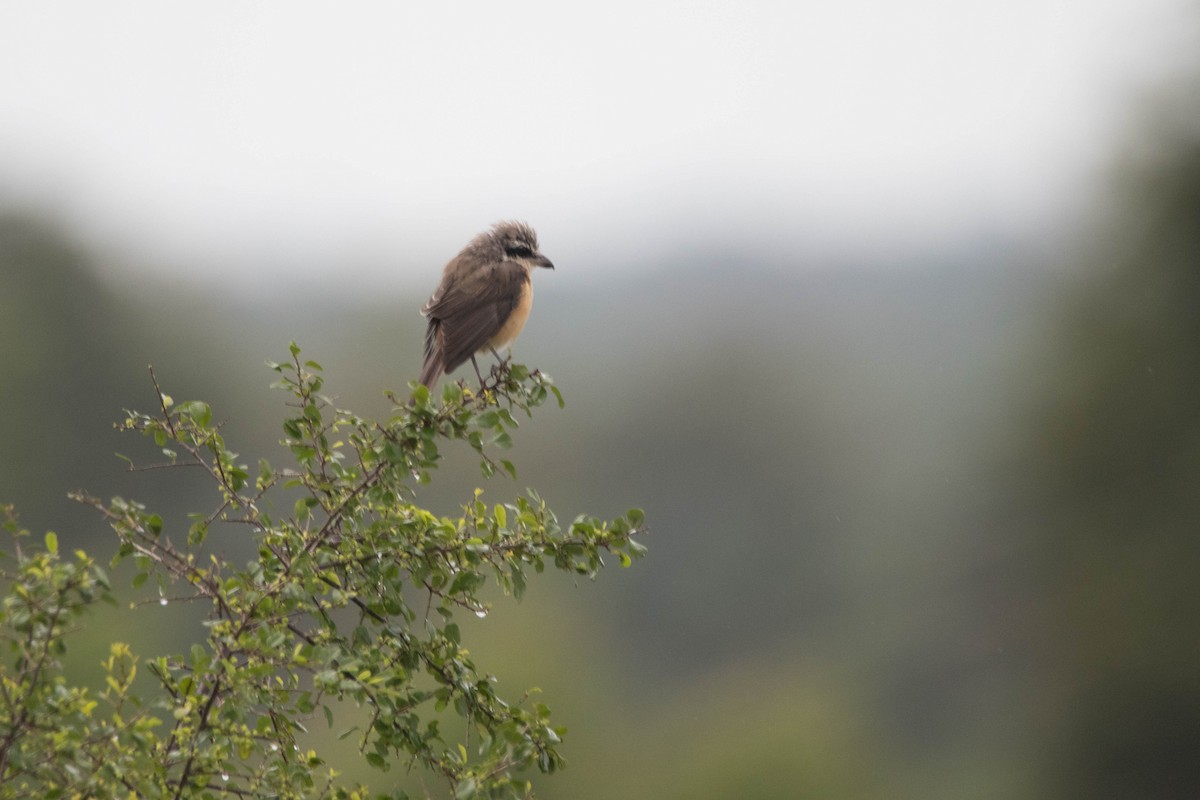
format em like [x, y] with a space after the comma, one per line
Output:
[333, 136]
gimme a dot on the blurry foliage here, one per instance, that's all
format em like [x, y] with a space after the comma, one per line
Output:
[352, 598]
[1113, 497]
[57, 339]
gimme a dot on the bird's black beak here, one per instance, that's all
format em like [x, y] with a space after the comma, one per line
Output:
[542, 261]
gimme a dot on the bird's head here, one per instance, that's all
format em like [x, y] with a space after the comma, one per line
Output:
[516, 241]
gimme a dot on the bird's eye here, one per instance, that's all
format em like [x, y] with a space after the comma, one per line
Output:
[519, 250]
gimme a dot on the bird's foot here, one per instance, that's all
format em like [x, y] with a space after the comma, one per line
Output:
[501, 364]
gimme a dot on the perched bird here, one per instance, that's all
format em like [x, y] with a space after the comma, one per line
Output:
[483, 300]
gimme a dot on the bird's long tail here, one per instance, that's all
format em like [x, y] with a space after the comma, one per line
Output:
[435, 360]
[432, 370]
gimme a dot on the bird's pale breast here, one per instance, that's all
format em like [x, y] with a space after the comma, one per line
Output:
[516, 320]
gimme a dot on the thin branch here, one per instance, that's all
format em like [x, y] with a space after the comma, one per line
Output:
[162, 465]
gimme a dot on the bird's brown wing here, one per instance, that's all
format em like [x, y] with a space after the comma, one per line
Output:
[468, 310]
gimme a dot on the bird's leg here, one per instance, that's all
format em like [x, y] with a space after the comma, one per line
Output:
[501, 361]
[476, 366]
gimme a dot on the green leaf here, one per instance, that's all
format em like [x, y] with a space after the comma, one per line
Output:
[52, 541]
[302, 506]
[197, 533]
[264, 472]
[518, 580]
[237, 477]
[465, 582]
[198, 411]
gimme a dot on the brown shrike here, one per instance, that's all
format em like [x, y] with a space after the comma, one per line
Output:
[483, 300]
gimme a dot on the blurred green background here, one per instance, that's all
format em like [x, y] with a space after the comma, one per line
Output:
[925, 519]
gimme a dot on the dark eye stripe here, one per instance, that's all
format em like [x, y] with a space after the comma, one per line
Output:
[519, 250]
